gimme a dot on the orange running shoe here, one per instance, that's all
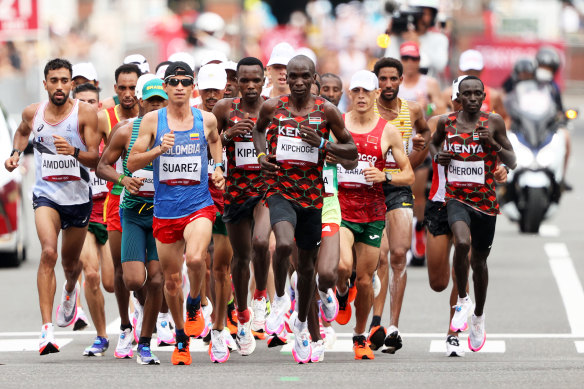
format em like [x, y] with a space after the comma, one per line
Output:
[181, 354]
[352, 293]
[195, 323]
[231, 322]
[344, 309]
[376, 337]
[361, 348]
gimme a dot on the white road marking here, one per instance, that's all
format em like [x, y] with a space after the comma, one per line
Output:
[491, 346]
[113, 327]
[549, 231]
[568, 284]
[11, 345]
[579, 346]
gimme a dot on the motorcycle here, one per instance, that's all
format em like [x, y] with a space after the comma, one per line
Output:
[533, 189]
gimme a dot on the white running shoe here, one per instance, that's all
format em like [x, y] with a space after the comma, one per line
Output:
[330, 337]
[376, 284]
[244, 339]
[453, 347]
[289, 324]
[301, 349]
[207, 310]
[67, 310]
[329, 305]
[275, 320]
[258, 323]
[462, 310]
[47, 344]
[82, 322]
[164, 335]
[137, 318]
[317, 351]
[124, 347]
[477, 335]
[229, 339]
[218, 350]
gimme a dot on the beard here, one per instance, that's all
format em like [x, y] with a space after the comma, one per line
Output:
[57, 102]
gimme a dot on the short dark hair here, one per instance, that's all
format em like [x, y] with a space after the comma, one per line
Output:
[470, 78]
[127, 68]
[250, 61]
[332, 75]
[86, 87]
[58, 63]
[162, 64]
[388, 62]
[317, 83]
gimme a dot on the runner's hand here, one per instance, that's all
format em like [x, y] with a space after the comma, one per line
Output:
[167, 142]
[218, 179]
[500, 174]
[418, 143]
[310, 136]
[63, 147]
[268, 165]
[485, 136]
[132, 184]
[444, 158]
[373, 174]
[331, 159]
[242, 127]
[12, 163]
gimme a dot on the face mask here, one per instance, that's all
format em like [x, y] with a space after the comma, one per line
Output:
[544, 75]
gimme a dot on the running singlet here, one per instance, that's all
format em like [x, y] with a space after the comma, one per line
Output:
[403, 123]
[329, 177]
[469, 176]
[438, 188]
[244, 179]
[299, 178]
[59, 178]
[180, 175]
[362, 201]
[486, 107]
[113, 119]
[415, 92]
[146, 192]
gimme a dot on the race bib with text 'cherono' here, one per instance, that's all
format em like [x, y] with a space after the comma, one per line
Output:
[466, 173]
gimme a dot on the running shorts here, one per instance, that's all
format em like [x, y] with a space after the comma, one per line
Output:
[100, 232]
[71, 215]
[219, 226]
[307, 222]
[111, 213]
[331, 210]
[172, 230]
[436, 218]
[398, 197]
[138, 242]
[482, 226]
[369, 233]
[234, 213]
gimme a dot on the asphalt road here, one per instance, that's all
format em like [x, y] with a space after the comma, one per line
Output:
[534, 322]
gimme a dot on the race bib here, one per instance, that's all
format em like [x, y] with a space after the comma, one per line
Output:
[353, 178]
[390, 164]
[328, 177]
[246, 156]
[98, 186]
[147, 189]
[296, 152]
[466, 174]
[211, 167]
[57, 167]
[180, 170]
[119, 166]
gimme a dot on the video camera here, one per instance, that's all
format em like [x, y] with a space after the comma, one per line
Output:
[402, 19]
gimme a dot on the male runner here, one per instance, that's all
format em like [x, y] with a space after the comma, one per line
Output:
[231, 87]
[474, 141]
[126, 77]
[276, 70]
[65, 147]
[405, 116]
[246, 219]
[83, 73]
[299, 127]
[141, 269]
[331, 88]
[362, 199]
[175, 139]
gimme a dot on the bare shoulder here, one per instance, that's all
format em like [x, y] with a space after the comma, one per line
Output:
[496, 119]
[29, 112]
[330, 109]
[151, 118]
[208, 118]
[415, 108]
[86, 109]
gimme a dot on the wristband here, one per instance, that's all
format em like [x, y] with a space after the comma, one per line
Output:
[120, 178]
[321, 143]
[260, 155]
[219, 164]
[326, 143]
[18, 151]
[76, 153]
[225, 137]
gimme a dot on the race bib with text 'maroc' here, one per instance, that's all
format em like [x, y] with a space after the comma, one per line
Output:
[57, 167]
[466, 174]
[147, 188]
[180, 170]
[353, 178]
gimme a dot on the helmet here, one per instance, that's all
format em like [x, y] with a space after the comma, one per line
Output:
[524, 65]
[210, 22]
[434, 4]
[549, 57]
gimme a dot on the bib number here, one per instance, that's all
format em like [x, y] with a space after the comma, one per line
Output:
[463, 174]
[57, 167]
[328, 177]
[353, 178]
[147, 189]
[180, 170]
[98, 186]
[246, 156]
[211, 167]
[295, 151]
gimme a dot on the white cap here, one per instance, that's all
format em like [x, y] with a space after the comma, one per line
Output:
[182, 56]
[140, 60]
[455, 85]
[210, 22]
[212, 76]
[230, 65]
[211, 56]
[143, 79]
[471, 60]
[160, 72]
[282, 53]
[84, 69]
[307, 52]
[364, 79]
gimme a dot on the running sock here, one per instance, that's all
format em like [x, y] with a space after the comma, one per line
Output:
[278, 299]
[463, 300]
[231, 305]
[258, 294]
[323, 295]
[300, 325]
[363, 334]
[144, 340]
[123, 327]
[243, 316]
[194, 302]
[376, 321]
[181, 336]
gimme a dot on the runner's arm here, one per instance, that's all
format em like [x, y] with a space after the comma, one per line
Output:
[215, 147]
[506, 153]
[422, 131]
[268, 163]
[436, 143]
[21, 137]
[344, 148]
[91, 136]
[392, 138]
[140, 156]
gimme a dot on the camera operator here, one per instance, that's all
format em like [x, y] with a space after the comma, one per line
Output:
[414, 23]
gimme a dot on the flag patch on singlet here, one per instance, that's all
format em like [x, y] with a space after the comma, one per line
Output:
[316, 120]
[372, 139]
[194, 136]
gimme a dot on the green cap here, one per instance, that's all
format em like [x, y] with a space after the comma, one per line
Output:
[153, 88]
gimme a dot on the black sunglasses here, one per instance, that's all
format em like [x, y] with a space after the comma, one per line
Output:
[175, 81]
